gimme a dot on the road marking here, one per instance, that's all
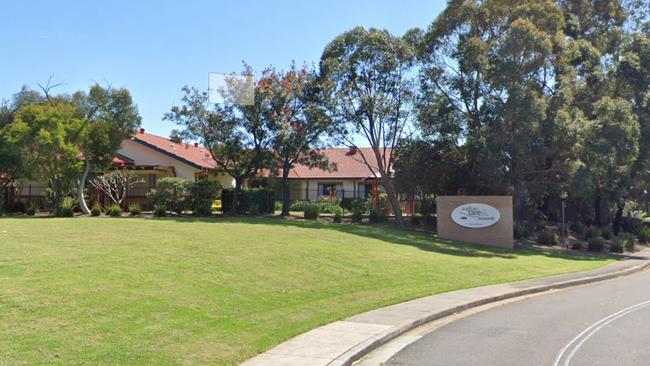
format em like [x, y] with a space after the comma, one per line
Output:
[581, 338]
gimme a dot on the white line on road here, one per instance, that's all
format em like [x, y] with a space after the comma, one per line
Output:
[581, 338]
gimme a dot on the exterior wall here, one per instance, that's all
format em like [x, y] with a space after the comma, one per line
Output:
[500, 234]
[308, 189]
[224, 178]
[143, 155]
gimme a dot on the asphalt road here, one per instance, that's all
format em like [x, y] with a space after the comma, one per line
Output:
[606, 323]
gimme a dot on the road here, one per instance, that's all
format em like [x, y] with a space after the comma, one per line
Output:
[605, 323]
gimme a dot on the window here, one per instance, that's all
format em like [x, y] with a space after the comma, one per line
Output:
[330, 189]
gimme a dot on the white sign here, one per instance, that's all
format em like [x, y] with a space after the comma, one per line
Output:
[475, 215]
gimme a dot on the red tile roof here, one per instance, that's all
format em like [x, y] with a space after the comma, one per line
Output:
[192, 154]
[349, 163]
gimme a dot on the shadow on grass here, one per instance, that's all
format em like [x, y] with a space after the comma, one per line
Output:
[394, 235]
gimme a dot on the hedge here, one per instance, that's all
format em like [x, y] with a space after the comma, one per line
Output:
[263, 198]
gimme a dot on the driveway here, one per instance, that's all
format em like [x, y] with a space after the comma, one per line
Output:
[605, 323]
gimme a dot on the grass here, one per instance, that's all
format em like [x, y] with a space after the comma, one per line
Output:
[218, 291]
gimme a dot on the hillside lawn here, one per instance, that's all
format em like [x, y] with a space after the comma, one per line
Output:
[221, 290]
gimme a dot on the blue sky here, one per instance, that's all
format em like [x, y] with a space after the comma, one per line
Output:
[154, 48]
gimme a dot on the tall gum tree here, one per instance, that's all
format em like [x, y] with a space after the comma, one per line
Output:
[372, 95]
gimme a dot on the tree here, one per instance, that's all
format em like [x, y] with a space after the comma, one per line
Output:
[116, 184]
[49, 136]
[372, 95]
[297, 121]
[236, 135]
[113, 117]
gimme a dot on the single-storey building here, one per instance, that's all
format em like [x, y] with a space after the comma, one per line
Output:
[154, 157]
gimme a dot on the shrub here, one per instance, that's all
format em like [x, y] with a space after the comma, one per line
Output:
[606, 233]
[591, 232]
[577, 245]
[254, 209]
[312, 212]
[67, 207]
[202, 193]
[377, 215]
[416, 219]
[338, 217]
[18, 206]
[134, 209]
[347, 203]
[357, 216]
[595, 244]
[173, 191]
[520, 230]
[627, 241]
[264, 198]
[278, 205]
[644, 234]
[539, 225]
[96, 210]
[32, 208]
[631, 225]
[578, 227]
[616, 246]
[547, 237]
[114, 210]
[431, 220]
[159, 211]
[299, 205]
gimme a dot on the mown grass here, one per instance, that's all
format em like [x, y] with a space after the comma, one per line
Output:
[217, 291]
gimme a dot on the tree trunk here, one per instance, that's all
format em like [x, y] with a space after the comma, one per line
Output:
[80, 189]
[285, 192]
[234, 209]
[597, 210]
[392, 198]
[618, 218]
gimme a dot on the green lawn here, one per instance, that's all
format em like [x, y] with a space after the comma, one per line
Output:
[218, 291]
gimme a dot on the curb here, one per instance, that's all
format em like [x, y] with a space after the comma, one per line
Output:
[370, 344]
[346, 341]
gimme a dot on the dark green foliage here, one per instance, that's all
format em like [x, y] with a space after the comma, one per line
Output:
[578, 227]
[347, 203]
[591, 232]
[32, 208]
[377, 215]
[616, 247]
[67, 208]
[577, 245]
[644, 234]
[262, 197]
[254, 209]
[631, 225]
[170, 193]
[114, 210]
[626, 241]
[606, 233]
[547, 237]
[159, 211]
[202, 194]
[96, 210]
[595, 244]
[357, 216]
[337, 217]
[312, 212]
[416, 219]
[134, 209]
[18, 207]
[521, 230]
[278, 205]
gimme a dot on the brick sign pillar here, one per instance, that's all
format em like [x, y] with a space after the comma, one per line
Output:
[476, 219]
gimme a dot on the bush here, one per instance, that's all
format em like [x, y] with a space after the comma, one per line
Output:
[114, 210]
[578, 227]
[577, 245]
[539, 225]
[299, 205]
[357, 216]
[262, 197]
[312, 212]
[169, 193]
[591, 232]
[644, 234]
[159, 211]
[377, 215]
[606, 233]
[595, 244]
[347, 203]
[547, 237]
[338, 217]
[202, 193]
[631, 225]
[96, 210]
[134, 209]
[416, 219]
[32, 208]
[18, 207]
[431, 220]
[616, 246]
[627, 241]
[67, 207]
[520, 230]
[278, 205]
[254, 209]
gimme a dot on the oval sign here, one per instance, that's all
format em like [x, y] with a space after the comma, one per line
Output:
[475, 215]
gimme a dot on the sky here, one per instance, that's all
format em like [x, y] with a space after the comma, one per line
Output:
[154, 48]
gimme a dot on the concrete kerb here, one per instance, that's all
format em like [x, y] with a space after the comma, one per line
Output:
[358, 350]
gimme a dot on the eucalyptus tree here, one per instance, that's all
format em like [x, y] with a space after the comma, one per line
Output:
[372, 95]
[113, 117]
